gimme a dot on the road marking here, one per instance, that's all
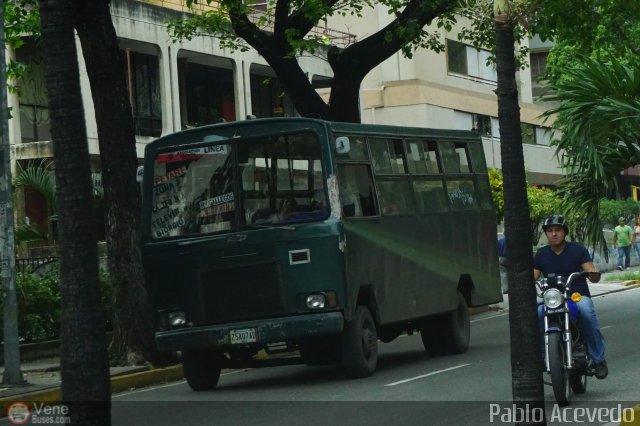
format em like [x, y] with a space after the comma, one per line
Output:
[151, 388]
[606, 326]
[427, 375]
[499, 314]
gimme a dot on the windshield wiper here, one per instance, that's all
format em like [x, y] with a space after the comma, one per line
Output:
[285, 227]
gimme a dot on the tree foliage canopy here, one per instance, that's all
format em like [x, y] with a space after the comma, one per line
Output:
[289, 29]
[20, 17]
[598, 29]
[599, 115]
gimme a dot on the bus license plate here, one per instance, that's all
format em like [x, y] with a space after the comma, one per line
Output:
[243, 335]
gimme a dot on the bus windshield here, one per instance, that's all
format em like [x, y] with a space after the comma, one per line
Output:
[226, 185]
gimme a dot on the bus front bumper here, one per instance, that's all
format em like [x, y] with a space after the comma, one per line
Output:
[252, 333]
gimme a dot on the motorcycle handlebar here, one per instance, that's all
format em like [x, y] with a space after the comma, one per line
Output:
[592, 276]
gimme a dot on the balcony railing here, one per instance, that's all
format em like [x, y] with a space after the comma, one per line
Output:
[338, 38]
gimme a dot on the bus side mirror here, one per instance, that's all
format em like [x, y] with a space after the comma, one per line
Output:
[342, 145]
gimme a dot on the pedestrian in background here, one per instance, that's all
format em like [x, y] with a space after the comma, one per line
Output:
[636, 239]
[622, 239]
[502, 261]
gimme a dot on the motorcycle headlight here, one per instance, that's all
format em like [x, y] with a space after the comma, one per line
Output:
[552, 298]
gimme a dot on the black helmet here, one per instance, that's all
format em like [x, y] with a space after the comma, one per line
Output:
[555, 219]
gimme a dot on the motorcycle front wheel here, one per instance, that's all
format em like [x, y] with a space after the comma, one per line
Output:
[558, 370]
[578, 382]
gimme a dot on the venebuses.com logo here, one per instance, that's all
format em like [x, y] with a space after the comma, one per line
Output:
[18, 413]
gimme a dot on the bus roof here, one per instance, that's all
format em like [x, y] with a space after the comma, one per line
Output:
[274, 125]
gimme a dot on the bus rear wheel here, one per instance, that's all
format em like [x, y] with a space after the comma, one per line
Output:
[201, 368]
[449, 333]
[360, 344]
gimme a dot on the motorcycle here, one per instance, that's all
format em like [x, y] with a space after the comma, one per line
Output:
[567, 360]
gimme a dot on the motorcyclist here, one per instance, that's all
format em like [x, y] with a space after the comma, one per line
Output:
[562, 258]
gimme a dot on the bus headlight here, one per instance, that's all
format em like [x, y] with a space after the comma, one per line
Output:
[552, 298]
[316, 301]
[177, 319]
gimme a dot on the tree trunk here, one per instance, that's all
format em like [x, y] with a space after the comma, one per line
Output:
[526, 357]
[83, 347]
[133, 324]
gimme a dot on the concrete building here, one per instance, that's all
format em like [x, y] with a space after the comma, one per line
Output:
[177, 85]
[455, 90]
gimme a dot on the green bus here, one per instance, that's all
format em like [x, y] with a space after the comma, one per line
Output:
[314, 238]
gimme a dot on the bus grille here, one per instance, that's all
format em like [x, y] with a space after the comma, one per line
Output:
[243, 293]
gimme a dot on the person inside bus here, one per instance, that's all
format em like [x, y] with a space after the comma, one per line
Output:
[350, 198]
[389, 206]
[562, 258]
[288, 206]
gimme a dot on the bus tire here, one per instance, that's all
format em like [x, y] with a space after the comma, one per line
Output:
[201, 368]
[360, 344]
[449, 333]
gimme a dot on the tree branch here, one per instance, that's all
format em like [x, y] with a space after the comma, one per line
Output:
[374, 49]
[280, 18]
[299, 19]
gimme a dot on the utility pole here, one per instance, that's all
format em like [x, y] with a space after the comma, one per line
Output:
[12, 373]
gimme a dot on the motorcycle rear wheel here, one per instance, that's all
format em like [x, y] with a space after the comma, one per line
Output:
[558, 370]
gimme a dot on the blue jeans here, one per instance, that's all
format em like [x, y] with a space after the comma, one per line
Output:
[588, 325]
[636, 247]
[626, 252]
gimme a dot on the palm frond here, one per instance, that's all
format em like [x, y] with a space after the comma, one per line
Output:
[599, 117]
[40, 177]
[29, 232]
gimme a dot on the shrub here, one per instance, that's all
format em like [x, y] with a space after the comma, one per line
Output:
[38, 298]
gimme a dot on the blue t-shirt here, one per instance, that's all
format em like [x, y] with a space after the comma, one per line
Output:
[502, 247]
[564, 264]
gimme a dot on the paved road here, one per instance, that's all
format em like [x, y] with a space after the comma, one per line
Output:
[408, 388]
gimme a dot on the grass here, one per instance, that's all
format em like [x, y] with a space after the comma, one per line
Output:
[624, 276]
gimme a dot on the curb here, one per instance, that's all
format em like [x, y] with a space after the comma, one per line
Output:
[119, 383]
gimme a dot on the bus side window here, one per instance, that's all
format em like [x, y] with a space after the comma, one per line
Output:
[430, 196]
[450, 159]
[396, 197]
[356, 190]
[463, 157]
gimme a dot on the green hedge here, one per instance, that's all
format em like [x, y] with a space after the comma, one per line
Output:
[38, 298]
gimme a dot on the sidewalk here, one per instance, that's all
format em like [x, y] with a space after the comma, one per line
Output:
[42, 377]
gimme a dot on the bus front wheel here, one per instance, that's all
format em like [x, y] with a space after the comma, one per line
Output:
[201, 368]
[360, 344]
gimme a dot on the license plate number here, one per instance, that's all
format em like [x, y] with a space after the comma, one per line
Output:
[243, 335]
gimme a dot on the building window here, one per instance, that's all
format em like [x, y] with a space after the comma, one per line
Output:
[34, 112]
[484, 125]
[544, 135]
[268, 98]
[143, 78]
[528, 133]
[457, 57]
[34, 123]
[538, 62]
[209, 95]
[467, 60]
